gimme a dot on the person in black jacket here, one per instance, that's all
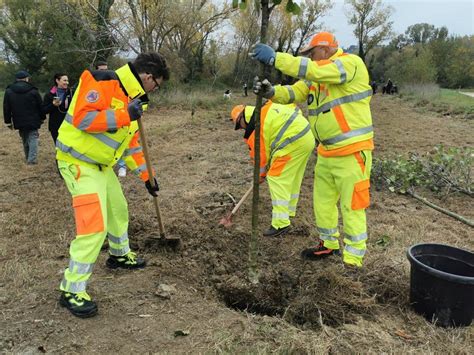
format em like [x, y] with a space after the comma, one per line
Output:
[56, 103]
[22, 111]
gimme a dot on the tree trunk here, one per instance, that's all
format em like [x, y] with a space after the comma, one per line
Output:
[264, 71]
[104, 40]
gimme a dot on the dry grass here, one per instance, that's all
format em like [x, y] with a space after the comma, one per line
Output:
[318, 307]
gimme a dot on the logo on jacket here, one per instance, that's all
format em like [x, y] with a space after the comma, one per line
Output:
[92, 96]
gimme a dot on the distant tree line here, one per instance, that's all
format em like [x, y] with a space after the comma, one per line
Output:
[425, 54]
[208, 40]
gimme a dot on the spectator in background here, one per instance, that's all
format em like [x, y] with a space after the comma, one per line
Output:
[227, 94]
[56, 103]
[373, 84]
[245, 89]
[101, 65]
[388, 87]
[22, 111]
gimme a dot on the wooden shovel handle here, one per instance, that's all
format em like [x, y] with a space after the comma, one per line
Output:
[244, 197]
[150, 174]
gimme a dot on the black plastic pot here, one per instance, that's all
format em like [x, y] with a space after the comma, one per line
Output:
[442, 284]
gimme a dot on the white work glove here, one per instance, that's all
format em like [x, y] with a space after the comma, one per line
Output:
[263, 87]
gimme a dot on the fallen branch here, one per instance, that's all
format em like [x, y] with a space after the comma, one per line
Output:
[440, 209]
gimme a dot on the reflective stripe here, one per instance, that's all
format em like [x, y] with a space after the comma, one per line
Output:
[74, 287]
[64, 148]
[118, 240]
[111, 121]
[347, 135]
[283, 130]
[120, 251]
[343, 100]
[341, 70]
[87, 120]
[291, 92]
[128, 152]
[308, 83]
[81, 268]
[68, 118]
[292, 139]
[312, 112]
[90, 117]
[139, 169]
[280, 215]
[327, 231]
[292, 208]
[295, 196]
[303, 68]
[263, 169]
[280, 203]
[327, 237]
[106, 140]
[352, 250]
[357, 238]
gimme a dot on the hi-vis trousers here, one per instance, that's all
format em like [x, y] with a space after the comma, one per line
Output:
[346, 178]
[285, 177]
[100, 210]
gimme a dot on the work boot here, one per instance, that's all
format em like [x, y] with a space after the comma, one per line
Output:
[275, 232]
[79, 304]
[127, 261]
[318, 252]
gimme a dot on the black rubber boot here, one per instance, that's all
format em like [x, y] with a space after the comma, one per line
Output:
[127, 261]
[79, 304]
[318, 252]
[274, 232]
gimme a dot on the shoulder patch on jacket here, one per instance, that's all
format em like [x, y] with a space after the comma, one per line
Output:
[92, 96]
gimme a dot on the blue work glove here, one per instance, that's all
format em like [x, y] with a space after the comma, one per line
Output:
[135, 109]
[264, 87]
[263, 53]
[152, 190]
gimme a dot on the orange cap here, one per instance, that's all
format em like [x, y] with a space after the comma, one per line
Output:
[325, 39]
[235, 114]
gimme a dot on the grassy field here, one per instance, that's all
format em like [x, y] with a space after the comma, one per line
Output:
[445, 101]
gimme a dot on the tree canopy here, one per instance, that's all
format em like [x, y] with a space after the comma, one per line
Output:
[210, 40]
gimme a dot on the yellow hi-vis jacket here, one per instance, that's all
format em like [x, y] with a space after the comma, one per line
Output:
[281, 126]
[97, 130]
[338, 94]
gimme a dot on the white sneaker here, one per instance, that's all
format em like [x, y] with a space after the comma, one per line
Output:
[122, 172]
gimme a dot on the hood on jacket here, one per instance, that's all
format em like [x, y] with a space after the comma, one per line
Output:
[21, 87]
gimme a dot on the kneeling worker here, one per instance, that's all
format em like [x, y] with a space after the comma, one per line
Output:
[286, 142]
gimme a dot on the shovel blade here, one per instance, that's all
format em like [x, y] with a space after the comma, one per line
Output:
[169, 242]
[226, 221]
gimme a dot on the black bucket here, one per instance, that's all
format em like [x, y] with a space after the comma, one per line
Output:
[442, 284]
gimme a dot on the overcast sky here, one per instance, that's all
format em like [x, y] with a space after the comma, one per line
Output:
[456, 15]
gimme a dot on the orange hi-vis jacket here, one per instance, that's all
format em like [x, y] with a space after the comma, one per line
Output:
[281, 126]
[97, 130]
[338, 95]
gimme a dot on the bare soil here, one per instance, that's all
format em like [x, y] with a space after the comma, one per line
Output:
[302, 307]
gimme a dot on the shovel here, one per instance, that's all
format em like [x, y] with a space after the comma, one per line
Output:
[169, 241]
[227, 220]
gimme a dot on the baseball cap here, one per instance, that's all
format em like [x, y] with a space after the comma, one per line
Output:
[326, 39]
[22, 74]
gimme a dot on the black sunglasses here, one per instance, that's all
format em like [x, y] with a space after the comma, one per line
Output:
[157, 85]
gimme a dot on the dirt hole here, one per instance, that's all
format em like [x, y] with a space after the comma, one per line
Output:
[311, 298]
